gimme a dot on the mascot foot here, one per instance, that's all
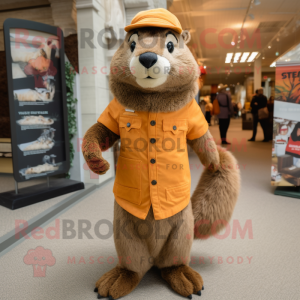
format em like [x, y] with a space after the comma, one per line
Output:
[183, 280]
[116, 283]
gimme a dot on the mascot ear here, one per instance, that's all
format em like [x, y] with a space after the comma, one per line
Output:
[186, 36]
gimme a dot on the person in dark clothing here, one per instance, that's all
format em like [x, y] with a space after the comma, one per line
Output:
[208, 109]
[270, 106]
[202, 106]
[235, 110]
[226, 110]
[259, 101]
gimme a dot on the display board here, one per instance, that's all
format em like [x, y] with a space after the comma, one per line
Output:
[37, 99]
[285, 170]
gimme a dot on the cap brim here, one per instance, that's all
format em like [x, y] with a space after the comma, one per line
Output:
[152, 22]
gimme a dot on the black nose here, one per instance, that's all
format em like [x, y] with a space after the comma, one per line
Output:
[148, 59]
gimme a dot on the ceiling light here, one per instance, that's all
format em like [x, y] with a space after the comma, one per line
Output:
[204, 67]
[249, 65]
[273, 64]
[269, 46]
[232, 43]
[244, 57]
[263, 57]
[237, 57]
[277, 53]
[257, 2]
[278, 39]
[252, 56]
[228, 58]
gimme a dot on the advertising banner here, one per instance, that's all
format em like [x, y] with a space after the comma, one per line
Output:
[285, 170]
[37, 99]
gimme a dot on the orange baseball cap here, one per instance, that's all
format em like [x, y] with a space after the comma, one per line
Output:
[159, 17]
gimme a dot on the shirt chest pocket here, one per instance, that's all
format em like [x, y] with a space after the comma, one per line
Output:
[174, 135]
[130, 131]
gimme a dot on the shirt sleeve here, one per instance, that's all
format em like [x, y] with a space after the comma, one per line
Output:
[197, 122]
[110, 116]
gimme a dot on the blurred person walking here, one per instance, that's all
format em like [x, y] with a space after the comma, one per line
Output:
[260, 114]
[270, 106]
[202, 106]
[208, 112]
[226, 110]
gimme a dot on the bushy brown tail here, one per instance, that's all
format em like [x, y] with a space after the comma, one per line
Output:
[215, 196]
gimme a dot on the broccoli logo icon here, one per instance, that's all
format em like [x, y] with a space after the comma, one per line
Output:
[39, 258]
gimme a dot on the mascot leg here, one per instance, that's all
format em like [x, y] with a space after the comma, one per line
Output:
[133, 257]
[174, 256]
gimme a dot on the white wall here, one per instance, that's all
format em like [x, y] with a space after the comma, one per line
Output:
[94, 89]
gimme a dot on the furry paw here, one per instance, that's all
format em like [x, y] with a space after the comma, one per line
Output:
[117, 283]
[183, 280]
[98, 166]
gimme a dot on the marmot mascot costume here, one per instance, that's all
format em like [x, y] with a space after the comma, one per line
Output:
[154, 82]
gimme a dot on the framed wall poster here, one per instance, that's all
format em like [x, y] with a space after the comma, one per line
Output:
[37, 99]
[285, 170]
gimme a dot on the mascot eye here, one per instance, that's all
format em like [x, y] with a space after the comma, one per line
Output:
[170, 47]
[132, 46]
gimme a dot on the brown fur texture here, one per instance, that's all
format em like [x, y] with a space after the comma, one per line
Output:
[117, 283]
[97, 139]
[183, 280]
[142, 244]
[180, 87]
[215, 196]
[206, 149]
[162, 241]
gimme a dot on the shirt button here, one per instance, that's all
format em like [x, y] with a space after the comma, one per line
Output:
[152, 141]
[174, 127]
[153, 161]
[152, 123]
[153, 182]
[128, 124]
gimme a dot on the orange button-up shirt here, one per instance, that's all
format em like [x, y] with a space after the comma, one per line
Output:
[153, 167]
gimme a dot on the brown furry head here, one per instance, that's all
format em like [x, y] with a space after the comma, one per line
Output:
[154, 71]
[215, 196]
